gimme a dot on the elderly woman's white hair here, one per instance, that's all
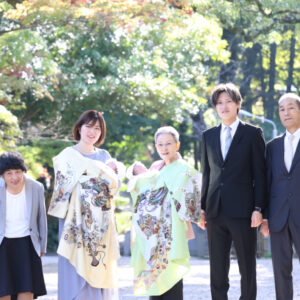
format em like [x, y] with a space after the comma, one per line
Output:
[167, 129]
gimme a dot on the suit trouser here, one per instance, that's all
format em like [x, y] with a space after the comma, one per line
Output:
[174, 293]
[221, 232]
[282, 258]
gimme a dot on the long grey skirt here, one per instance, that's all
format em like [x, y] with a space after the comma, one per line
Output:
[71, 286]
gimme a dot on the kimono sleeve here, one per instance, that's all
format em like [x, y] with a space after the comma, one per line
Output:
[188, 204]
[65, 180]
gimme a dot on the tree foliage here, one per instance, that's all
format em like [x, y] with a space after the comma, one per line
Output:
[143, 63]
[9, 129]
[139, 62]
[262, 38]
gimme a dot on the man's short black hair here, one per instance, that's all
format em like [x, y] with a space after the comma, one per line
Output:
[230, 89]
[12, 161]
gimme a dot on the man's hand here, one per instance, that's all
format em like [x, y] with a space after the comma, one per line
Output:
[264, 229]
[42, 254]
[256, 219]
[202, 223]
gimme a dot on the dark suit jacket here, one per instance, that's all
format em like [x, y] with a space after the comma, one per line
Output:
[238, 183]
[283, 186]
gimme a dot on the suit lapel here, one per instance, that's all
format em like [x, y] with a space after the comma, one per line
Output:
[296, 157]
[28, 195]
[236, 139]
[281, 154]
[218, 144]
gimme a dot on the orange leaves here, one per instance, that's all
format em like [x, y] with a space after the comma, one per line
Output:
[182, 4]
[18, 71]
[128, 14]
[3, 101]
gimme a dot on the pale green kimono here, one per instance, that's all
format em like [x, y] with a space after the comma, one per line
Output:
[163, 201]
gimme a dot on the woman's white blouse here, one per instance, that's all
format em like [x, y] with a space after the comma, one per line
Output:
[17, 219]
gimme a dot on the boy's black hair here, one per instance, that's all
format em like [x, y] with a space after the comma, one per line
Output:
[12, 161]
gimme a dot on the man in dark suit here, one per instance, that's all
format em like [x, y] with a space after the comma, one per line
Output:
[233, 193]
[283, 209]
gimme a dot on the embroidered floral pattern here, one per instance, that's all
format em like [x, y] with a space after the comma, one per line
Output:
[89, 238]
[99, 188]
[148, 224]
[156, 225]
[94, 195]
[177, 205]
[192, 196]
[73, 234]
[150, 200]
[61, 180]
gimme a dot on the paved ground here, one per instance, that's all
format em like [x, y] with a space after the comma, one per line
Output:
[196, 284]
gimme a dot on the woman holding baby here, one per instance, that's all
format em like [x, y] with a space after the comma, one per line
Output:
[86, 181]
[166, 199]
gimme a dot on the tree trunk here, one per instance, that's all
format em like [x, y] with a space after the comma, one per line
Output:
[291, 62]
[184, 138]
[261, 76]
[228, 71]
[198, 127]
[272, 75]
[248, 68]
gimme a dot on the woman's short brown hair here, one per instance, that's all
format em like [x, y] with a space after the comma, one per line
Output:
[230, 89]
[90, 117]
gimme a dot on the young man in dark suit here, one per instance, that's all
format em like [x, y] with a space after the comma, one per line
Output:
[283, 209]
[233, 193]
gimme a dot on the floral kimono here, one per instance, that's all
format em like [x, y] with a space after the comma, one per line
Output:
[83, 195]
[164, 201]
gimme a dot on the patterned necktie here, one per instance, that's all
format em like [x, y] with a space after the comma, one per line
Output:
[228, 140]
[289, 152]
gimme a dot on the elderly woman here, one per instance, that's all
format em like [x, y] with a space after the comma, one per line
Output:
[86, 179]
[23, 231]
[166, 199]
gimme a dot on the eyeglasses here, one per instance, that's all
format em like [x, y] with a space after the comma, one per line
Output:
[164, 145]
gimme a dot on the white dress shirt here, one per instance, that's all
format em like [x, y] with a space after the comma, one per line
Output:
[233, 127]
[296, 135]
[17, 220]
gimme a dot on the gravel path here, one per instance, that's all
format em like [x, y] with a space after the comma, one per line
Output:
[196, 283]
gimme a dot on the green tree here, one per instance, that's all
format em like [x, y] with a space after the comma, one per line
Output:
[262, 38]
[9, 130]
[150, 61]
